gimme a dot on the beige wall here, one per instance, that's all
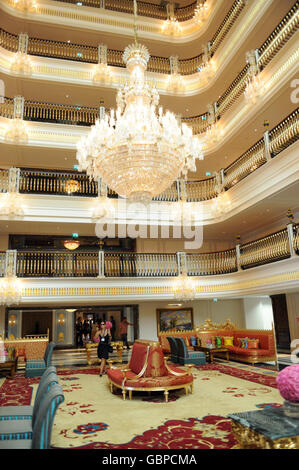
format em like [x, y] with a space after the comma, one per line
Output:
[147, 245]
[3, 242]
[218, 312]
[293, 314]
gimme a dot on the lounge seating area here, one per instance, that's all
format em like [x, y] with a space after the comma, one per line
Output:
[148, 370]
[243, 345]
[30, 427]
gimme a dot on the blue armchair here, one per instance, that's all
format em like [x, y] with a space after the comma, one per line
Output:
[186, 356]
[173, 349]
[27, 411]
[24, 428]
[42, 429]
[36, 367]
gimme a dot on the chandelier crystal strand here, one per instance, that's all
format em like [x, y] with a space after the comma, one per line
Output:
[137, 151]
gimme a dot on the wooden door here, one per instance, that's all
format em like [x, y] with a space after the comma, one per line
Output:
[281, 322]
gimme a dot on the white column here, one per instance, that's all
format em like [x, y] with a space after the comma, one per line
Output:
[128, 311]
[267, 146]
[18, 107]
[102, 54]
[10, 263]
[23, 43]
[290, 229]
[14, 180]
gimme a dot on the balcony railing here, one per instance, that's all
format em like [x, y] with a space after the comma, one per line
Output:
[57, 264]
[144, 9]
[63, 263]
[67, 183]
[281, 34]
[279, 138]
[271, 248]
[205, 264]
[89, 54]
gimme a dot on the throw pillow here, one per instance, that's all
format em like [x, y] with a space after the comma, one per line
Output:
[187, 341]
[228, 340]
[253, 343]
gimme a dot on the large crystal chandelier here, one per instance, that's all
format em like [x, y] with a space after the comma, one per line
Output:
[137, 151]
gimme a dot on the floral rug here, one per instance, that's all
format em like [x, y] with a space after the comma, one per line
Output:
[93, 418]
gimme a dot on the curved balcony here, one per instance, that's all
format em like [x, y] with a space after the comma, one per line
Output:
[161, 65]
[82, 264]
[67, 183]
[165, 21]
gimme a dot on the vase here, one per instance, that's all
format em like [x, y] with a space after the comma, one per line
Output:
[291, 409]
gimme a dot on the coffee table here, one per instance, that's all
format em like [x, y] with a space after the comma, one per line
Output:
[269, 428]
[10, 364]
[211, 352]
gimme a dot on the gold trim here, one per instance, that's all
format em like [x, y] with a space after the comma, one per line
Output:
[248, 438]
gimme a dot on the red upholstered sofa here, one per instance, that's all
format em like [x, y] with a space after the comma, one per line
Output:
[148, 371]
[264, 350]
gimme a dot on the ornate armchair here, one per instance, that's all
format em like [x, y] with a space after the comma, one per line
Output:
[185, 356]
[148, 371]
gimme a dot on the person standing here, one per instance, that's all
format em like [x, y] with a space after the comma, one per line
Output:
[103, 347]
[123, 331]
[79, 332]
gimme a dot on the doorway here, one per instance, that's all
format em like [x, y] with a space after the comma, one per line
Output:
[281, 323]
[37, 322]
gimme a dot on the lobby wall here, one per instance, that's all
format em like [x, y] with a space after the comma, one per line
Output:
[218, 312]
[258, 313]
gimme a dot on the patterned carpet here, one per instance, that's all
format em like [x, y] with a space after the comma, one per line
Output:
[92, 418]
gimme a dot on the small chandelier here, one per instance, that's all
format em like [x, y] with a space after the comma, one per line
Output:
[136, 151]
[11, 204]
[71, 186]
[10, 291]
[254, 89]
[184, 288]
[16, 131]
[72, 244]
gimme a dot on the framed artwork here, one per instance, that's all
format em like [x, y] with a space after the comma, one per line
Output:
[181, 319]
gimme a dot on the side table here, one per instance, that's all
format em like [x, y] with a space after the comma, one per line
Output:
[211, 352]
[269, 428]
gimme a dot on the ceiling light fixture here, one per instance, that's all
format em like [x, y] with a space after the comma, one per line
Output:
[136, 151]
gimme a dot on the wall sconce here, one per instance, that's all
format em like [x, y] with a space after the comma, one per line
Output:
[12, 321]
[61, 319]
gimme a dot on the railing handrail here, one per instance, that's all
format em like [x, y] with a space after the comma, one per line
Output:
[265, 237]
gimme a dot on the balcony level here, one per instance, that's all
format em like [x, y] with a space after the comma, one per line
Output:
[270, 167]
[263, 266]
[112, 18]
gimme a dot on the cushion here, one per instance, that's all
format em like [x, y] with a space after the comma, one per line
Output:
[148, 382]
[249, 352]
[187, 341]
[193, 340]
[218, 341]
[243, 343]
[253, 343]
[156, 364]
[138, 357]
[35, 364]
[228, 340]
